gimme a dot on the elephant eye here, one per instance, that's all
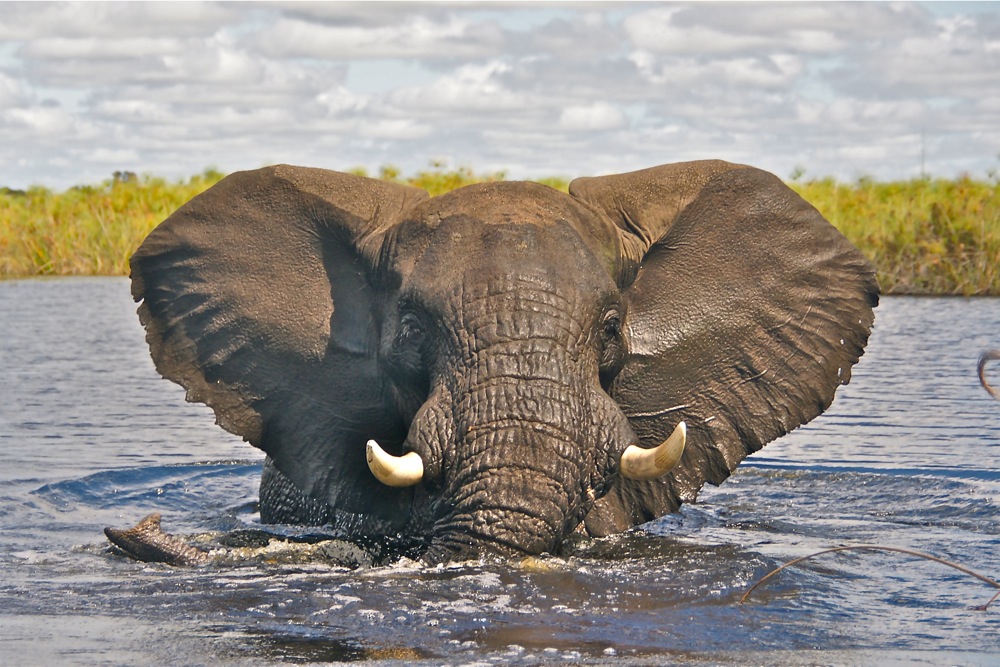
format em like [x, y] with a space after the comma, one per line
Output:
[612, 324]
[612, 347]
[411, 331]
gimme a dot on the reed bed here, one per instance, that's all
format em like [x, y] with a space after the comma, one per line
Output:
[926, 236]
[87, 230]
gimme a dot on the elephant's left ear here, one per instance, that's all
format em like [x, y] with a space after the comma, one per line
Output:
[748, 310]
[257, 298]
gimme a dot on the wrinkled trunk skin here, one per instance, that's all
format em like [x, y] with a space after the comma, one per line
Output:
[503, 508]
[527, 456]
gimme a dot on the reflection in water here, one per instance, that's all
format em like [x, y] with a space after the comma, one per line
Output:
[90, 436]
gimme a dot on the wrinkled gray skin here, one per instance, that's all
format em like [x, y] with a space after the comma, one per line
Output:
[989, 355]
[517, 338]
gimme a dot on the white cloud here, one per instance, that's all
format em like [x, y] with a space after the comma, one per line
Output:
[340, 101]
[398, 128]
[113, 156]
[755, 73]
[956, 58]
[11, 92]
[38, 121]
[595, 117]
[472, 87]
[95, 48]
[864, 153]
[171, 88]
[88, 20]
[672, 30]
[133, 111]
[709, 29]
[417, 37]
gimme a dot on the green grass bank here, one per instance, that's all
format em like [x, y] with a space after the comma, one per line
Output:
[926, 236]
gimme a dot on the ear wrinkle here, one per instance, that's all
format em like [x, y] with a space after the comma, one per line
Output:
[747, 314]
[257, 297]
[633, 249]
[644, 204]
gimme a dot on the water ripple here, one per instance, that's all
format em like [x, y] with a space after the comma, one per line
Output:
[909, 455]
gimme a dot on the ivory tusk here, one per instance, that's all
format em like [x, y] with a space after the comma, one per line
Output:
[639, 463]
[397, 471]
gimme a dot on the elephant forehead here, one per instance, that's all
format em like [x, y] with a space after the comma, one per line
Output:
[511, 223]
[506, 203]
[464, 241]
[509, 265]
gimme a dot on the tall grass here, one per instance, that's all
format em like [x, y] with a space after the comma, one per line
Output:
[86, 230]
[925, 236]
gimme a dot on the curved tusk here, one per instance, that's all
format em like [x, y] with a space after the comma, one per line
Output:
[398, 471]
[639, 463]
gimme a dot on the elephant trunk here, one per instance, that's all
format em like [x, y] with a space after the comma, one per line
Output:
[526, 469]
[486, 522]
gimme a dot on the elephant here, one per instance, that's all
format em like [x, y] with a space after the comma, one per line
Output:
[988, 355]
[488, 372]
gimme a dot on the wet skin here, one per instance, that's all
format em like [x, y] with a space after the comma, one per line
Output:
[498, 356]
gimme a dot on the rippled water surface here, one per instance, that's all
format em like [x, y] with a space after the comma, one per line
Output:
[908, 456]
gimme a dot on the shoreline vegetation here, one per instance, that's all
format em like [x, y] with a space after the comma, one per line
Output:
[927, 236]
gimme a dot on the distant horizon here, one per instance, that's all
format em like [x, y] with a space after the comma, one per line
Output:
[804, 177]
[888, 91]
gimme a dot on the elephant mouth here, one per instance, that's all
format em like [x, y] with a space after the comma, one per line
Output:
[457, 548]
[636, 462]
[518, 535]
[504, 514]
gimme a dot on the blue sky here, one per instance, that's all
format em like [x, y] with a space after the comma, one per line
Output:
[547, 89]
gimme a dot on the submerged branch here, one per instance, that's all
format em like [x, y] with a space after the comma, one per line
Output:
[874, 547]
[989, 355]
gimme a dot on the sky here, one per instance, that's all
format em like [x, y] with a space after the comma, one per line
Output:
[882, 90]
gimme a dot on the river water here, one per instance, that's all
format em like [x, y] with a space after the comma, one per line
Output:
[908, 456]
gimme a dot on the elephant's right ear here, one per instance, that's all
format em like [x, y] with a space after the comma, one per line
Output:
[746, 312]
[256, 299]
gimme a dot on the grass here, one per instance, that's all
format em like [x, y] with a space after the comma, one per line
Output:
[86, 230]
[926, 236]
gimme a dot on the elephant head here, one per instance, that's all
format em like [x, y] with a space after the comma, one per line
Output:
[490, 370]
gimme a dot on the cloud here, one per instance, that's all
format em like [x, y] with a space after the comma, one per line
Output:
[717, 29]
[38, 121]
[595, 117]
[96, 48]
[114, 20]
[397, 128]
[958, 57]
[450, 38]
[676, 30]
[755, 73]
[358, 13]
[11, 92]
[340, 101]
[588, 37]
[113, 156]
[550, 88]
[473, 87]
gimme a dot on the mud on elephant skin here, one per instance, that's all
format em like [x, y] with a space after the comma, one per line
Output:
[489, 371]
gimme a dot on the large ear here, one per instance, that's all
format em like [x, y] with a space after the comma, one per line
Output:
[747, 312]
[256, 298]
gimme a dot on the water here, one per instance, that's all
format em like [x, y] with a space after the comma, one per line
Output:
[909, 456]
